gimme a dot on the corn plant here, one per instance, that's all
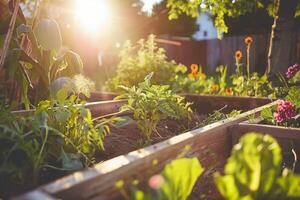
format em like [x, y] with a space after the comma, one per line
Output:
[42, 60]
[152, 103]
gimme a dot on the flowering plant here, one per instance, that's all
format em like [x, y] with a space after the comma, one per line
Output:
[286, 112]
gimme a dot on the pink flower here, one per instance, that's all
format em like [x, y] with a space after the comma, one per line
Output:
[285, 111]
[292, 70]
[156, 181]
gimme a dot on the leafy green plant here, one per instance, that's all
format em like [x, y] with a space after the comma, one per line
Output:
[44, 63]
[255, 85]
[253, 171]
[199, 83]
[175, 182]
[20, 156]
[60, 135]
[152, 103]
[139, 60]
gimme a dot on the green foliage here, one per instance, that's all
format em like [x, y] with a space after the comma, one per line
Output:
[20, 158]
[253, 171]
[220, 9]
[44, 63]
[254, 86]
[152, 103]
[199, 83]
[267, 114]
[48, 34]
[294, 96]
[139, 60]
[177, 181]
[60, 135]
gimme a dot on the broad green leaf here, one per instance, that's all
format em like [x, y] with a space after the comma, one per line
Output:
[48, 35]
[62, 95]
[58, 84]
[180, 177]
[253, 171]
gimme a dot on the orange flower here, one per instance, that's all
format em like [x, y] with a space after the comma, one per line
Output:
[229, 92]
[238, 55]
[248, 40]
[194, 68]
[215, 88]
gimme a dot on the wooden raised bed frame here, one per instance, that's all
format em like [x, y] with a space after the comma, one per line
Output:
[99, 182]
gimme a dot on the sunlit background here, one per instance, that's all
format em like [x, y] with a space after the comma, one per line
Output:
[93, 15]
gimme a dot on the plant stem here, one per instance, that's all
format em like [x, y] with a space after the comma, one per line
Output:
[248, 61]
[37, 163]
[9, 34]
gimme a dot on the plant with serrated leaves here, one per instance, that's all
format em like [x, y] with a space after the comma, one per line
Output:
[137, 61]
[22, 151]
[74, 121]
[152, 103]
[253, 171]
[60, 135]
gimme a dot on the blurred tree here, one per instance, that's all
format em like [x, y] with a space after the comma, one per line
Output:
[282, 40]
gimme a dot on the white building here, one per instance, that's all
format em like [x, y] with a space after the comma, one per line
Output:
[207, 30]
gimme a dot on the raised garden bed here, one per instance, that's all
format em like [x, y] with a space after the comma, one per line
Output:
[288, 138]
[211, 144]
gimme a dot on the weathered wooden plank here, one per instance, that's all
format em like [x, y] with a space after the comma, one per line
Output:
[275, 131]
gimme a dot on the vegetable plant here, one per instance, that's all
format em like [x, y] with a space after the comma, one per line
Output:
[41, 61]
[152, 103]
[137, 61]
[61, 135]
[175, 182]
[253, 171]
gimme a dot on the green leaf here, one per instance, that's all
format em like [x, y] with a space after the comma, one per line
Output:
[59, 84]
[120, 122]
[180, 177]
[43, 106]
[253, 169]
[48, 35]
[70, 161]
[62, 95]
[294, 96]
[267, 114]
[62, 116]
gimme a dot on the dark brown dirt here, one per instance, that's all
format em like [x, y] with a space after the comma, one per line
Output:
[124, 140]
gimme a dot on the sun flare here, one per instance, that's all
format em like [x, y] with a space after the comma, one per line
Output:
[92, 14]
